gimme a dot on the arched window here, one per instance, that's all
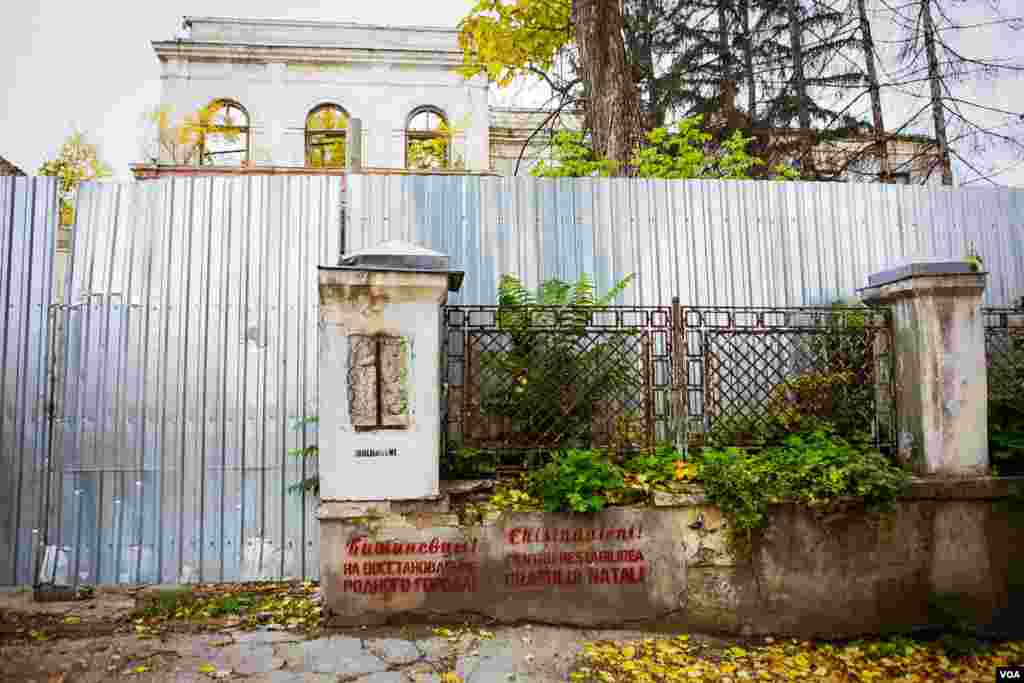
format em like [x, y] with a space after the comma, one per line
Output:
[426, 139]
[325, 136]
[225, 140]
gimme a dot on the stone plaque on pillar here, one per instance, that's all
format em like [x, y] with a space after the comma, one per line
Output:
[380, 393]
[378, 382]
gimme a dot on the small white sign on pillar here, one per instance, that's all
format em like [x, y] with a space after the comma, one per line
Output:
[380, 391]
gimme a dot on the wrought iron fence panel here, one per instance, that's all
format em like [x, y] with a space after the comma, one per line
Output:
[546, 377]
[753, 372]
[1004, 355]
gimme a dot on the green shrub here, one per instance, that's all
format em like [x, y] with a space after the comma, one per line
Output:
[576, 481]
[812, 468]
[1006, 410]
[657, 466]
[835, 391]
[310, 484]
[548, 369]
[467, 463]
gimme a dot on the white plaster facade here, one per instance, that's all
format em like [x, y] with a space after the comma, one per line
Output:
[279, 70]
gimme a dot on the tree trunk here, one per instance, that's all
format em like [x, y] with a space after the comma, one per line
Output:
[799, 79]
[800, 86]
[655, 114]
[748, 61]
[612, 111]
[868, 45]
[724, 53]
[935, 80]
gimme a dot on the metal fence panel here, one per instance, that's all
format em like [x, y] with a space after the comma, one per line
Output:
[190, 321]
[541, 377]
[712, 243]
[1004, 355]
[28, 228]
[751, 373]
[187, 338]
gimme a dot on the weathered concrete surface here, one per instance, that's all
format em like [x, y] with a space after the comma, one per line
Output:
[846, 574]
[941, 374]
[404, 308]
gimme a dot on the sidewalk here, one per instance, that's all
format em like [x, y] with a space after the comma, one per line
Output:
[273, 633]
[97, 641]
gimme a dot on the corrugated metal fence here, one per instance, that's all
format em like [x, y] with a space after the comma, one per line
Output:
[712, 243]
[187, 347]
[186, 343]
[28, 226]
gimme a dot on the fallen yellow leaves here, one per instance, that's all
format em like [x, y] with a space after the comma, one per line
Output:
[286, 605]
[898, 660]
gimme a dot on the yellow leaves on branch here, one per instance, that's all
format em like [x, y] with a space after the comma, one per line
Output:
[436, 152]
[180, 139]
[76, 161]
[505, 38]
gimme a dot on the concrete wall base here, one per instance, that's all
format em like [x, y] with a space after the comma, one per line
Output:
[671, 566]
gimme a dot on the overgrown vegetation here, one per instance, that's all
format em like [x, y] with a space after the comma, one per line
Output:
[310, 484]
[436, 152]
[1006, 408]
[576, 481]
[819, 470]
[679, 152]
[811, 439]
[76, 162]
[548, 368]
[815, 469]
[831, 384]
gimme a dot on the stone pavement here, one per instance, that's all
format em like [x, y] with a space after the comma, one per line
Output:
[421, 654]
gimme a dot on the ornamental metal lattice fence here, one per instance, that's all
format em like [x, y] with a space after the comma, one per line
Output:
[752, 374]
[1004, 355]
[539, 378]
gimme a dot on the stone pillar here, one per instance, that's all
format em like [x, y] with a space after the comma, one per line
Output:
[939, 358]
[379, 365]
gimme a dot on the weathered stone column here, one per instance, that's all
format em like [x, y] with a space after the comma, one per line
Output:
[941, 378]
[379, 364]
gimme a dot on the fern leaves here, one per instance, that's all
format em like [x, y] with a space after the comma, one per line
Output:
[556, 292]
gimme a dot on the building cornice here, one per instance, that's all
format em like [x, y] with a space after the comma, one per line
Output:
[305, 54]
[311, 23]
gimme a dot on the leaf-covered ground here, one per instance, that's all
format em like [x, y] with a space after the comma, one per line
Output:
[658, 660]
[273, 632]
[288, 606]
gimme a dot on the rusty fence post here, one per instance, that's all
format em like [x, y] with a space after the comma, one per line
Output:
[678, 370]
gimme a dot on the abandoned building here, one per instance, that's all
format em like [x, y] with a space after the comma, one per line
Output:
[278, 97]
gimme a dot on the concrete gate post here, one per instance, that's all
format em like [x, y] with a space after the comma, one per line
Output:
[939, 354]
[379, 368]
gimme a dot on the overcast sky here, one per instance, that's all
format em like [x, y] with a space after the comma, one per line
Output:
[67, 65]
[90, 64]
